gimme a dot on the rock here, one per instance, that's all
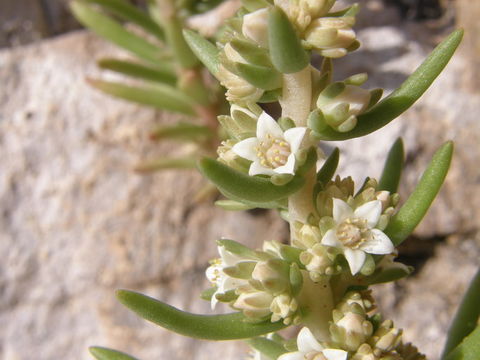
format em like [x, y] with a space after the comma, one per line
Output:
[78, 223]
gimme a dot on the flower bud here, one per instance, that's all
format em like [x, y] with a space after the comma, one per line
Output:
[273, 275]
[318, 260]
[351, 331]
[331, 36]
[302, 12]
[255, 27]
[283, 307]
[254, 304]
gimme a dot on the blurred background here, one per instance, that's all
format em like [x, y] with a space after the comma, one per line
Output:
[76, 222]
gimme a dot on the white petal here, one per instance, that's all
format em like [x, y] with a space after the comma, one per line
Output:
[294, 137]
[267, 125]
[341, 210]
[297, 355]
[246, 148]
[306, 341]
[213, 300]
[355, 258]
[258, 169]
[378, 243]
[330, 239]
[289, 167]
[335, 354]
[370, 211]
[228, 258]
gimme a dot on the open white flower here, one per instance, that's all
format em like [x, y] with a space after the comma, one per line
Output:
[355, 232]
[217, 277]
[310, 348]
[272, 150]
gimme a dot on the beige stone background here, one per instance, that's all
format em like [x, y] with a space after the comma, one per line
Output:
[76, 222]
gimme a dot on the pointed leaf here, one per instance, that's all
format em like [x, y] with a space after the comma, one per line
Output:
[259, 76]
[411, 213]
[388, 275]
[211, 327]
[326, 172]
[269, 348]
[206, 52]
[111, 30]
[466, 317]
[159, 96]
[167, 163]
[182, 131]
[251, 52]
[101, 353]
[403, 97]
[128, 12]
[392, 170]
[286, 51]
[164, 74]
[468, 349]
[243, 187]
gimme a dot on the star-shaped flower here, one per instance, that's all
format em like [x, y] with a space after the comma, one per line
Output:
[217, 276]
[272, 150]
[310, 348]
[355, 234]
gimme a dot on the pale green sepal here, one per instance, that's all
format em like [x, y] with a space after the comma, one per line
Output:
[102, 353]
[296, 279]
[128, 12]
[253, 189]
[261, 77]
[357, 79]
[466, 318]
[403, 97]
[291, 254]
[388, 275]
[111, 30]
[286, 123]
[208, 293]
[268, 348]
[241, 250]
[326, 172]
[316, 121]
[210, 327]
[349, 11]
[375, 96]
[368, 266]
[251, 52]
[160, 96]
[468, 349]
[242, 270]
[392, 170]
[411, 213]
[181, 131]
[206, 52]
[232, 205]
[270, 96]
[159, 73]
[286, 51]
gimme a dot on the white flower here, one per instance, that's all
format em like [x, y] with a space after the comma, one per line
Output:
[272, 150]
[310, 348]
[355, 232]
[217, 277]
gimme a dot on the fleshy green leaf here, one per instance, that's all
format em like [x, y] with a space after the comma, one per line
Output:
[251, 52]
[286, 51]
[167, 163]
[326, 172]
[160, 96]
[392, 169]
[259, 76]
[101, 353]
[468, 349]
[411, 213]
[206, 52]
[111, 30]
[269, 348]
[403, 97]
[240, 186]
[466, 318]
[210, 327]
[181, 131]
[164, 74]
[388, 275]
[128, 12]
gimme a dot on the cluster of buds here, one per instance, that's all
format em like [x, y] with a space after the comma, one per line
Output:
[259, 283]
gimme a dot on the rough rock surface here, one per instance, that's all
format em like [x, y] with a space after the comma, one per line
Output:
[77, 223]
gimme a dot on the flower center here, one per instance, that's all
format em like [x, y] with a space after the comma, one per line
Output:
[353, 232]
[214, 271]
[315, 355]
[273, 152]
